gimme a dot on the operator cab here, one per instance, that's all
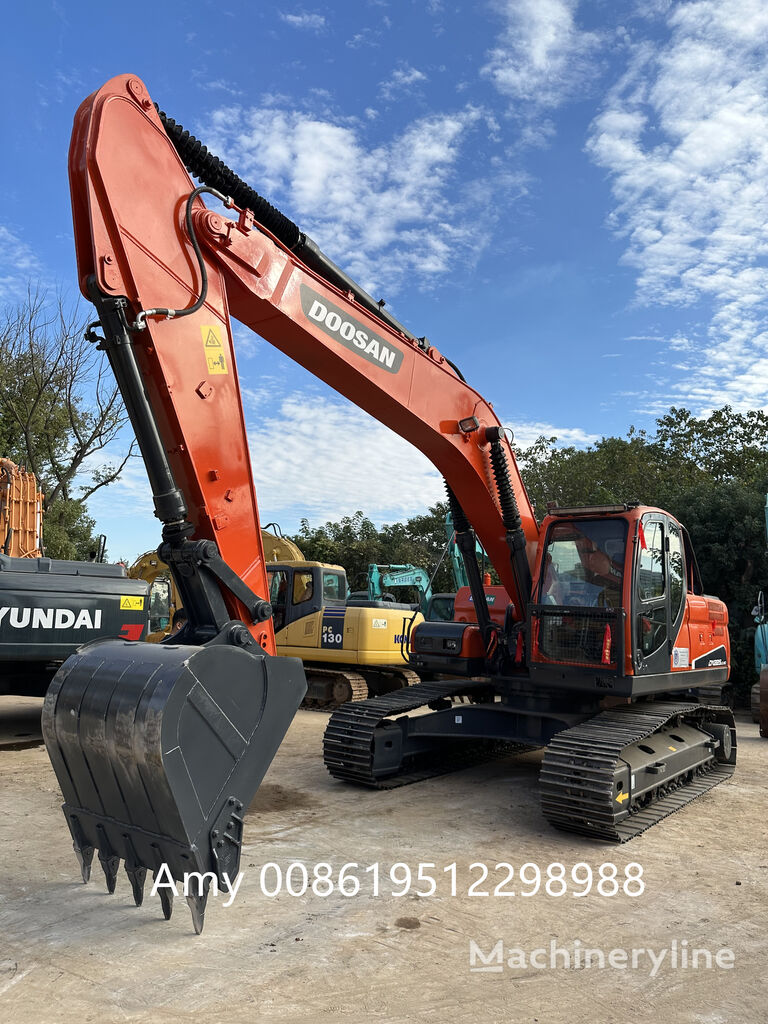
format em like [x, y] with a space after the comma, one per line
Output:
[618, 593]
[617, 608]
[298, 589]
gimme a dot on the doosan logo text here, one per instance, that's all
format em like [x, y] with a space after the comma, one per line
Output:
[350, 332]
[50, 618]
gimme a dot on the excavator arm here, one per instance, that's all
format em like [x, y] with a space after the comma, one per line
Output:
[159, 750]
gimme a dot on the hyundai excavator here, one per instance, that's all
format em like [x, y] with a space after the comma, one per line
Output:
[159, 748]
[50, 606]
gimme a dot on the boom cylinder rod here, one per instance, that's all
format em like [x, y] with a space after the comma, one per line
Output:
[465, 541]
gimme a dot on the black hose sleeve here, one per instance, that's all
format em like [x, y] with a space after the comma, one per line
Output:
[213, 172]
[460, 522]
[509, 508]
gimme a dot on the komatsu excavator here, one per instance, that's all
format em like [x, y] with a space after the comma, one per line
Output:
[159, 748]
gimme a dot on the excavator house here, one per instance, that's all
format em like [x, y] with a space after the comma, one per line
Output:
[605, 636]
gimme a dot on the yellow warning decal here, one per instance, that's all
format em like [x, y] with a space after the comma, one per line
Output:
[131, 604]
[211, 336]
[622, 797]
[217, 364]
[672, 748]
[213, 343]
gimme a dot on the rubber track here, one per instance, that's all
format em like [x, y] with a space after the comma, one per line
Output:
[348, 739]
[577, 772]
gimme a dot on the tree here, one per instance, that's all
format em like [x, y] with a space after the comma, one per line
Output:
[353, 542]
[727, 528]
[726, 445]
[59, 410]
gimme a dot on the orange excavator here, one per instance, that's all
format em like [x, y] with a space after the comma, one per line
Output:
[605, 633]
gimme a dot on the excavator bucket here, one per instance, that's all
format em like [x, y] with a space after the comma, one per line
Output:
[159, 750]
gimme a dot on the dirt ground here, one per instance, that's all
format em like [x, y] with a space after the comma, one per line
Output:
[70, 952]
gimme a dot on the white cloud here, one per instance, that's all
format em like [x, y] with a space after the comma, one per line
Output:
[18, 264]
[542, 56]
[366, 37]
[221, 85]
[309, 22]
[684, 137]
[386, 213]
[336, 459]
[526, 433]
[400, 81]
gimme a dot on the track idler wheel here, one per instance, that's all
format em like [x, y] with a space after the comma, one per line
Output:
[158, 748]
[725, 751]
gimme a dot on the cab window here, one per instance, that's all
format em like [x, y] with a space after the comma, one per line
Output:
[159, 604]
[584, 563]
[334, 587]
[278, 589]
[651, 572]
[302, 587]
[676, 570]
[651, 586]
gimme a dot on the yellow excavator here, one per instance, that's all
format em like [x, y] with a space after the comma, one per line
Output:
[351, 649]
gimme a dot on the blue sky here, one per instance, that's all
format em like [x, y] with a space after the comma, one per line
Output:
[570, 199]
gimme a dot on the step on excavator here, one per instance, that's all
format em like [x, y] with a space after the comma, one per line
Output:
[159, 748]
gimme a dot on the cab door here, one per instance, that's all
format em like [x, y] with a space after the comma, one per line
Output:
[651, 626]
[659, 592]
[678, 572]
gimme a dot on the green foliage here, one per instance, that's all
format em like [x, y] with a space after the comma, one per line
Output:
[727, 528]
[355, 543]
[68, 531]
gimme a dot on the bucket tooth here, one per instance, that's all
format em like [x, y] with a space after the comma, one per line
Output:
[110, 865]
[166, 899]
[84, 856]
[137, 875]
[197, 906]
